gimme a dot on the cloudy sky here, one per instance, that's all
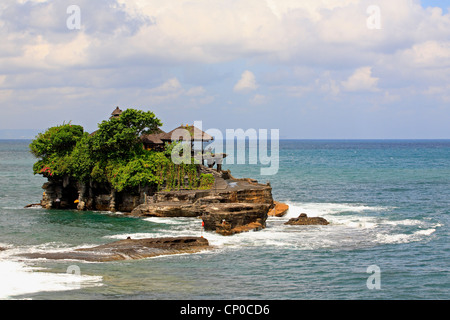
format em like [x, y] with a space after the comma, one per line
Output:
[315, 69]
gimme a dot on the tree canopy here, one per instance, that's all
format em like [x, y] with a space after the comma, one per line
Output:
[119, 137]
[113, 154]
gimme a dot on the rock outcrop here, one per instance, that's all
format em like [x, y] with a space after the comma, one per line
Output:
[230, 218]
[130, 249]
[303, 220]
[66, 193]
[279, 209]
[242, 203]
[231, 207]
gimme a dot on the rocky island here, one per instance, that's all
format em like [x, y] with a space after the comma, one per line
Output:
[126, 166]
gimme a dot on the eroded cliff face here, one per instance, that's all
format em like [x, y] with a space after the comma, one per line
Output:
[60, 194]
[69, 194]
[230, 206]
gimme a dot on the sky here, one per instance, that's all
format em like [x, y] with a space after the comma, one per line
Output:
[316, 69]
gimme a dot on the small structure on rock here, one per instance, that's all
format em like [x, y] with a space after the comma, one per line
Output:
[116, 113]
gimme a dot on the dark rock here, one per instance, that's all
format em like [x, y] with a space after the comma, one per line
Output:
[130, 249]
[231, 218]
[33, 205]
[304, 220]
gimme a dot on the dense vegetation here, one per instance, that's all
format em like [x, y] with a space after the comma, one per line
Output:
[114, 154]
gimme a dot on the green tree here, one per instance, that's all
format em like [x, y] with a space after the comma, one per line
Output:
[59, 140]
[141, 170]
[54, 148]
[119, 137]
[114, 154]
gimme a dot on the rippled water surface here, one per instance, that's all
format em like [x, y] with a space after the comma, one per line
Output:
[387, 202]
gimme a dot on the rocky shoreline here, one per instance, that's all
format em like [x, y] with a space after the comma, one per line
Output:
[231, 206]
[128, 170]
[129, 249]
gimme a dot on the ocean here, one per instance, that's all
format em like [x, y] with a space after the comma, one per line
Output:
[387, 201]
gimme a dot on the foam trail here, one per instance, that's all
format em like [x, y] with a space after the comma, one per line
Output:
[320, 209]
[404, 238]
[162, 220]
[141, 235]
[18, 279]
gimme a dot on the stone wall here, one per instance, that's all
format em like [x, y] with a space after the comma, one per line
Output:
[231, 206]
[69, 194]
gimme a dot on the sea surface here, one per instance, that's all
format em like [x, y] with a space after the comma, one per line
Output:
[387, 201]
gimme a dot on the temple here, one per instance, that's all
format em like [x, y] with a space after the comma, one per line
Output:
[156, 141]
[226, 204]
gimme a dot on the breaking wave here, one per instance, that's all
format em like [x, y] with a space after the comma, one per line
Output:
[19, 278]
[351, 226]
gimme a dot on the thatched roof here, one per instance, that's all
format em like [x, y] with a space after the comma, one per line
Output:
[155, 138]
[195, 133]
[116, 112]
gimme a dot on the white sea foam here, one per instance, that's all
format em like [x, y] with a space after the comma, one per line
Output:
[141, 235]
[321, 209]
[17, 279]
[351, 226]
[163, 220]
[404, 238]
[350, 215]
[13, 252]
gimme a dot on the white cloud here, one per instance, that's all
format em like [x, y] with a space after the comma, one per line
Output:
[173, 31]
[170, 86]
[428, 54]
[310, 50]
[172, 90]
[297, 91]
[196, 91]
[361, 80]
[258, 99]
[246, 83]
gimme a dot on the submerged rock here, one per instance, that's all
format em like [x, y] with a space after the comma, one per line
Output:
[130, 249]
[33, 205]
[304, 220]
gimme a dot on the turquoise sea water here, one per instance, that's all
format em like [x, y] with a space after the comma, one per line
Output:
[388, 204]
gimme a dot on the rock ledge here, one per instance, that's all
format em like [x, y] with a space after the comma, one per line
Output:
[130, 249]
